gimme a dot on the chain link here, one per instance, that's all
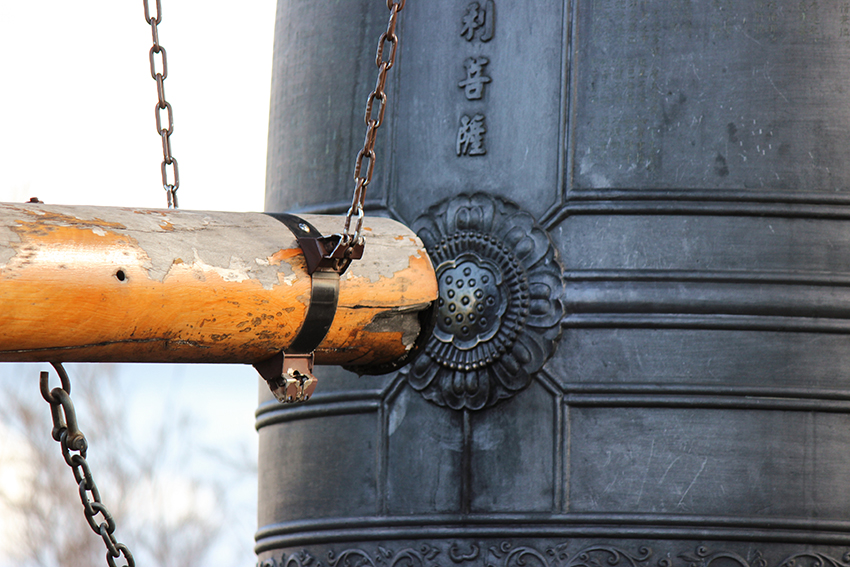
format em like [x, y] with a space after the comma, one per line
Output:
[168, 160]
[74, 447]
[373, 122]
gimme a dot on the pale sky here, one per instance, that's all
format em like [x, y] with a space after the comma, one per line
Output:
[78, 102]
[78, 127]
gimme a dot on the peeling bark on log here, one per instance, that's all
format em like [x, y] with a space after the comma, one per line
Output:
[98, 284]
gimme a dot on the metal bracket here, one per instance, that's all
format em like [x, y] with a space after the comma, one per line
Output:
[329, 253]
[290, 374]
[322, 253]
[324, 296]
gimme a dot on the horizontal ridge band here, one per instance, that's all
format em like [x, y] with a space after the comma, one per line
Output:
[655, 526]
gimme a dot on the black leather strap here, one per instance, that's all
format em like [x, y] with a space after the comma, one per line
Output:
[323, 298]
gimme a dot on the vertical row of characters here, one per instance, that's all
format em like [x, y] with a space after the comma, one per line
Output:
[477, 25]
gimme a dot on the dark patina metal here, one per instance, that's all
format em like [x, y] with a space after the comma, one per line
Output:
[686, 164]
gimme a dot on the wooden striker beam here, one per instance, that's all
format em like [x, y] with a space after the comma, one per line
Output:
[97, 284]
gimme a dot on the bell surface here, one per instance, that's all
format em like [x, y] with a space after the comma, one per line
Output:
[637, 212]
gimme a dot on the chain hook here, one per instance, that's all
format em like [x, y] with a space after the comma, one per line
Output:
[44, 379]
[171, 196]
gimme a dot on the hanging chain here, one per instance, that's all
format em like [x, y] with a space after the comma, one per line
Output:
[68, 434]
[362, 179]
[162, 104]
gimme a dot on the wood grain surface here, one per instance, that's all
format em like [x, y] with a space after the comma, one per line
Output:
[128, 285]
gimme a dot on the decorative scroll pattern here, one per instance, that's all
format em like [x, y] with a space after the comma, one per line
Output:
[508, 554]
[500, 308]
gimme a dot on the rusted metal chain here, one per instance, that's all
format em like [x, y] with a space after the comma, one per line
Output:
[74, 447]
[164, 131]
[373, 118]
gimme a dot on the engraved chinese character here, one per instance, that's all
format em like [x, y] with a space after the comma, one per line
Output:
[470, 136]
[479, 17]
[473, 84]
